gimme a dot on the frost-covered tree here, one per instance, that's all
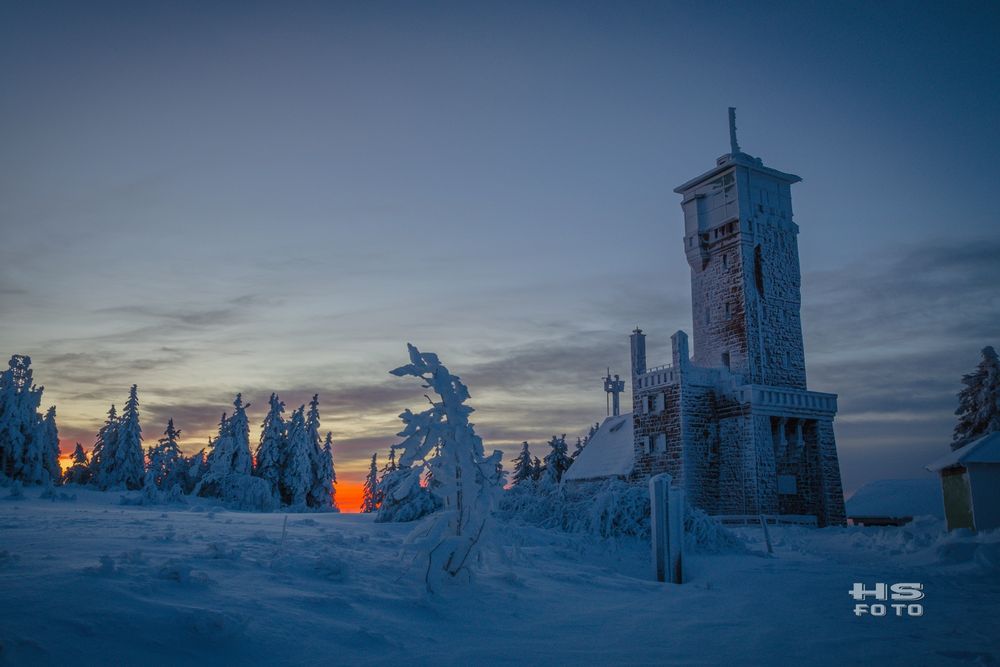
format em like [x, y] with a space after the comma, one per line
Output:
[443, 441]
[239, 431]
[104, 453]
[195, 469]
[128, 469]
[404, 498]
[29, 443]
[556, 461]
[230, 451]
[228, 466]
[79, 469]
[320, 460]
[324, 492]
[390, 465]
[166, 466]
[296, 468]
[537, 470]
[370, 494]
[979, 401]
[49, 441]
[524, 468]
[273, 442]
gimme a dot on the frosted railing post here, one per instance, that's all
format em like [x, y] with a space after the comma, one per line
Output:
[666, 529]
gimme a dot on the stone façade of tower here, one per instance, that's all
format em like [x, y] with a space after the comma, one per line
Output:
[741, 244]
[734, 423]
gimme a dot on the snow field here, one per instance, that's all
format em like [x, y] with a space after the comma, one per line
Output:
[93, 582]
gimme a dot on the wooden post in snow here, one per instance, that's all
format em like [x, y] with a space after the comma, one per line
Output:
[667, 529]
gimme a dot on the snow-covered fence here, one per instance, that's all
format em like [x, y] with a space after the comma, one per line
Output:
[667, 528]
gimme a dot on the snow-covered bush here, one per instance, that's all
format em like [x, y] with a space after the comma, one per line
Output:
[610, 509]
[244, 492]
[16, 491]
[404, 498]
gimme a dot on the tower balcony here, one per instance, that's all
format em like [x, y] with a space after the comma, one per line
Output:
[783, 401]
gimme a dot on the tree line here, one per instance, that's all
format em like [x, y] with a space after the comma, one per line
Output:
[291, 466]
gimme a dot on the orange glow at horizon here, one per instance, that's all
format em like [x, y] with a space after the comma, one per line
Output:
[349, 495]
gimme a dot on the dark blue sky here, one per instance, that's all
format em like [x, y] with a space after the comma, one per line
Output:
[210, 198]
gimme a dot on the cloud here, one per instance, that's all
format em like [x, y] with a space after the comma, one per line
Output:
[933, 294]
[893, 334]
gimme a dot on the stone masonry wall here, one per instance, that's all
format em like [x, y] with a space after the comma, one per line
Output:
[770, 262]
[650, 423]
[831, 490]
[718, 308]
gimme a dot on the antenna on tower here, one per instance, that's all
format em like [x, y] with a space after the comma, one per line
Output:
[613, 387]
[734, 147]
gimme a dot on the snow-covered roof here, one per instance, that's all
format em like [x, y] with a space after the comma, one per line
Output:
[984, 450]
[897, 498]
[609, 453]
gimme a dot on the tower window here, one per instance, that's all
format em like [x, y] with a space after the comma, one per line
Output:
[725, 260]
[728, 311]
[708, 316]
[725, 359]
[758, 270]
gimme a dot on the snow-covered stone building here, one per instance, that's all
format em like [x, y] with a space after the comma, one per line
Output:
[733, 422]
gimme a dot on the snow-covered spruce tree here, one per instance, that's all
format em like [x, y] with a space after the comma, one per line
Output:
[79, 470]
[580, 444]
[49, 442]
[404, 498]
[401, 494]
[979, 402]
[467, 478]
[25, 439]
[320, 460]
[369, 496]
[296, 468]
[105, 451]
[524, 468]
[390, 465]
[228, 466]
[537, 470]
[129, 469]
[556, 461]
[239, 431]
[196, 467]
[328, 481]
[273, 442]
[166, 466]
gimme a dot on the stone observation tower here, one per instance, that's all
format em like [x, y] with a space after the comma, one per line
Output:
[733, 422]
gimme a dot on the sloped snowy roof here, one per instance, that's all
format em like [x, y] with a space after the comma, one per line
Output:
[984, 450]
[897, 498]
[609, 453]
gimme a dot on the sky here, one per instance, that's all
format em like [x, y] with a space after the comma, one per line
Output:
[211, 198]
